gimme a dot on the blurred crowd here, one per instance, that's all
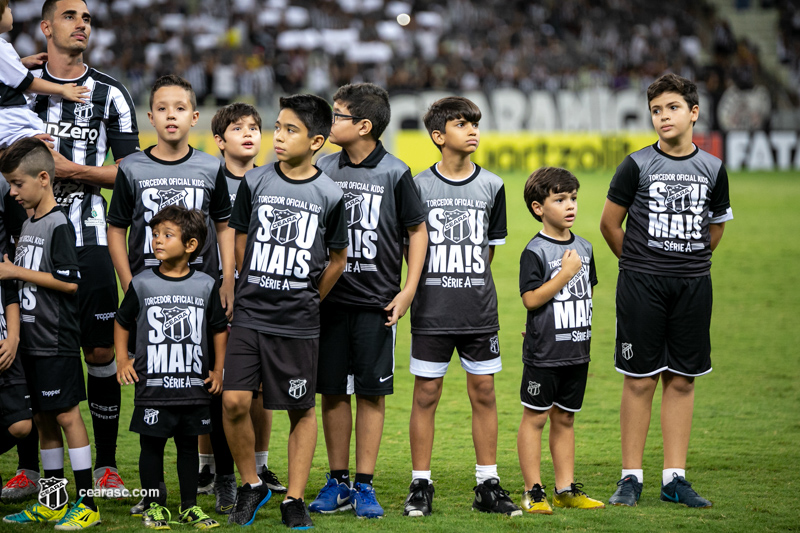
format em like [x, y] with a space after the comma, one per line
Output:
[789, 41]
[256, 49]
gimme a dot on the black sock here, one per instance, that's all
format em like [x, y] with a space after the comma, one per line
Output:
[341, 476]
[83, 481]
[223, 460]
[28, 451]
[59, 473]
[7, 440]
[104, 398]
[151, 466]
[188, 465]
[365, 479]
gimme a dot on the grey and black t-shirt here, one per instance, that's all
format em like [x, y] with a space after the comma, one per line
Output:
[670, 201]
[14, 374]
[559, 332]
[50, 324]
[233, 182]
[12, 216]
[456, 293]
[146, 184]
[290, 226]
[380, 201]
[174, 321]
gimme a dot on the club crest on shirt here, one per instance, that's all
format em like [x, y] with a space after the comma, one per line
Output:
[84, 111]
[177, 325]
[456, 225]
[171, 197]
[19, 255]
[284, 225]
[678, 197]
[297, 388]
[353, 205]
[579, 285]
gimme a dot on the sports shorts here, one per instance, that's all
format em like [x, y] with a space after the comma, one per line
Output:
[98, 298]
[663, 325]
[55, 382]
[356, 352]
[15, 404]
[169, 421]
[286, 366]
[545, 386]
[479, 353]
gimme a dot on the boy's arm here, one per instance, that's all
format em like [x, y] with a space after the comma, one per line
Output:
[611, 225]
[8, 346]
[329, 276]
[118, 250]
[9, 270]
[69, 91]
[415, 254]
[239, 247]
[225, 238]
[570, 265]
[716, 230]
[214, 379]
[126, 375]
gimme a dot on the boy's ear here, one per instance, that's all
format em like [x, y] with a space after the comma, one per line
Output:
[438, 137]
[195, 117]
[365, 127]
[150, 118]
[44, 178]
[316, 142]
[537, 207]
[220, 143]
[695, 113]
[191, 246]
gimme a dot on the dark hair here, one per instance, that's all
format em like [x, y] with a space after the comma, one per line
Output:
[366, 100]
[3, 6]
[191, 221]
[225, 116]
[314, 112]
[447, 109]
[48, 8]
[171, 80]
[545, 181]
[672, 83]
[31, 156]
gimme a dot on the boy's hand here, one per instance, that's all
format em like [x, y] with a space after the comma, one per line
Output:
[8, 352]
[34, 61]
[214, 382]
[126, 375]
[8, 270]
[74, 93]
[571, 263]
[398, 307]
[226, 297]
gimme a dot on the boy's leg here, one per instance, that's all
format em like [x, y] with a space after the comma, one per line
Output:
[224, 478]
[529, 445]
[206, 465]
[677, 407]
[562, 446]
[634, 418]
[151, 466]
[80, 454]
[302, 442]
[427, 393]
[262, 425]
[370, 415]
[188, 461]
[484, 417]
[337, 426]
[239, 431]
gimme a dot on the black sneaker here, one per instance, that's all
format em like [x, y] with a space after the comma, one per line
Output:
[680, 491]
[295, 515]
[269, 477]
[248, 501]
[491, 498]
[225, 489]
[628, 491]
[205, 481]
[419, 501]
[139, 508]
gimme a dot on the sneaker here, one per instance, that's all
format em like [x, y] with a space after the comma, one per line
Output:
[628, 491]
[21, 486]
[295, 515]
[225, 489]
[334, 496]
[156, 517]
[575, 498]
[140, 508]
[269, 477]
[195, 517]
[248, 501]
[491, 498]
[78, 517]
[535, 500]
[110, 485]
[36, 512]
[364, 502]
[419, 501]
[680, 491]
[205, 481]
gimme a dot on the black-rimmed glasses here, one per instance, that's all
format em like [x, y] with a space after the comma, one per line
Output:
[342, 115]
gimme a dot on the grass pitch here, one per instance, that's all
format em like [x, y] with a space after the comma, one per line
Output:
[743, 455]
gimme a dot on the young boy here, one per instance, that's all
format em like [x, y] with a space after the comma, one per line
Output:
[456, 304]
[556, 276]
[675, 197]
[46, 266]
[174, 308]
[358, 320]
[289, 220]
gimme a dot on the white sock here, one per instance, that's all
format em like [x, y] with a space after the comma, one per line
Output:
[81, 458]
[565, 489]
[666, 474]
[421, 474]
[254, 485]
[639, 473]
[484, 472]
[262, 460]
[207, 459]
[53, 459]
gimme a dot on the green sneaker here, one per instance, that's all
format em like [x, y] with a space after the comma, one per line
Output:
[36, 513]
[156, 517]
[195, 517]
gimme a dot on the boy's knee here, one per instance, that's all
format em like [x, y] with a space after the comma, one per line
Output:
[67, 418]
[20, 429]
[481, 389]
[235, 405]
[640, 386]
[679, 384]
[426, 393]
[561, 417]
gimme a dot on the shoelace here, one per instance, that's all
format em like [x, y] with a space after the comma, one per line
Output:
[368, 494]
[156, 512]
[626, 485]
[537, 493]
[74, 510]
[269, 476]
[329, 487]
[110, 480]
[575, 489]
[20, 481]
[198, 514]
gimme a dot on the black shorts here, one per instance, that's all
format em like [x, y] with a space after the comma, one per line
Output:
[55, 382]
[287, 368]
[98, 298]
[15, 405]
[562, 386]
[479, 353]
[356, 352]
[169, 421]
[663, 325]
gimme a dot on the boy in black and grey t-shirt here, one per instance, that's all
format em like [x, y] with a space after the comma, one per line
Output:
[556, 276]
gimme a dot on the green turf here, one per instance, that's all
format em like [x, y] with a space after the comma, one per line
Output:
[744, 454]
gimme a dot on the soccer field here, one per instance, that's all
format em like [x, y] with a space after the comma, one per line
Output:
[744, 453]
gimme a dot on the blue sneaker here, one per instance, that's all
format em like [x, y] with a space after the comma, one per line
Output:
[680, 491]
[333, 497]
[365, 504]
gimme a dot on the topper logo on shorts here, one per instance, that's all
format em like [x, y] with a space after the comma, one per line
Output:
[105, 316]
[51, 393]
[533, 388]
[297, 388]
[53, 492]
[627, 350]
[150, 416]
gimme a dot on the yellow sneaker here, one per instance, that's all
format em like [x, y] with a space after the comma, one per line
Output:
[156, 517]
[78, 517]
[194, 516]
[575, 498]
[36, 512]
[535, 501]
